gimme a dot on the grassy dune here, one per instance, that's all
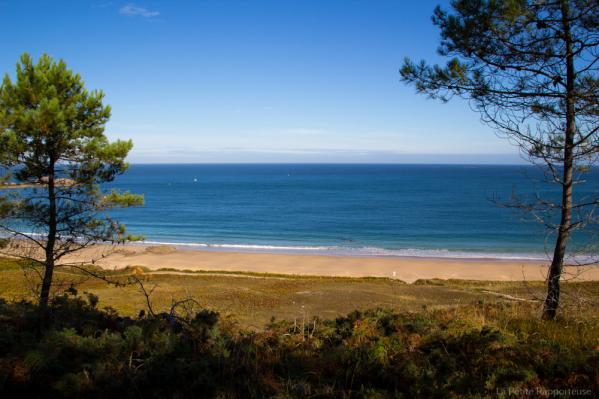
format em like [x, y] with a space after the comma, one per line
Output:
[253, 299]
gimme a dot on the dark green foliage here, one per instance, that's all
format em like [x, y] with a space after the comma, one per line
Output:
[86, 352]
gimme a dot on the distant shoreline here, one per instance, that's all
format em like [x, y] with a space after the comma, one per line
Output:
[16, 186]
[57, 182]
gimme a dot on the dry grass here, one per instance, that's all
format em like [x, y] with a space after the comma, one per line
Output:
[254, 299]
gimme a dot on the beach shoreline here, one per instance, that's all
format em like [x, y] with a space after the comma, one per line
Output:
[342, 251]
[408, 269]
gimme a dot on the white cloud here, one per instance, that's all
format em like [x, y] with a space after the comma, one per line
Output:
[133, 10]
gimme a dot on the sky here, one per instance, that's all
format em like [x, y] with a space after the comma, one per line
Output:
[223, 81]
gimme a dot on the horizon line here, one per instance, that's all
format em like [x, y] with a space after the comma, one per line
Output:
[336, 163]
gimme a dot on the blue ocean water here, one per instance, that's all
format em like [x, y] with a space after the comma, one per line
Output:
[409, 210]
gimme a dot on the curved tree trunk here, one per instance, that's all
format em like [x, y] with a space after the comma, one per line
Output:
[49, 262]
[555, 271]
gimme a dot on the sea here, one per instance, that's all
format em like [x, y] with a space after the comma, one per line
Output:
[454, 211]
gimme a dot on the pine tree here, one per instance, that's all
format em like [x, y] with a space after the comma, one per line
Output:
[530, 68]
[52, 140]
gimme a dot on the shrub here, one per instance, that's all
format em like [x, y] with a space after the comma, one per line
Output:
[78, 350]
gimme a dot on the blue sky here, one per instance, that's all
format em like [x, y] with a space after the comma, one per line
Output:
[257, 81]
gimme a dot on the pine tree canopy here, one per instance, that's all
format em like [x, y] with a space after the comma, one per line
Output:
[52, 141]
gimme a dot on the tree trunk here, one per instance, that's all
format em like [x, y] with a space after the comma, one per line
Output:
[51, 241]
[555, 271]
[47, 281]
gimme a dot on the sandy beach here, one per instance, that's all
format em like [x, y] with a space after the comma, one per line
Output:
[406, 269]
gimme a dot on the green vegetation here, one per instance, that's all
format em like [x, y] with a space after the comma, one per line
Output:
[476, 351]
[433, 338]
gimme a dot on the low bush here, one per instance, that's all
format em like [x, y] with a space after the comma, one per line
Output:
[75, 350]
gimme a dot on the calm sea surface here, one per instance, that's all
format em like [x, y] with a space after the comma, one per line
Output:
[410, 210]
